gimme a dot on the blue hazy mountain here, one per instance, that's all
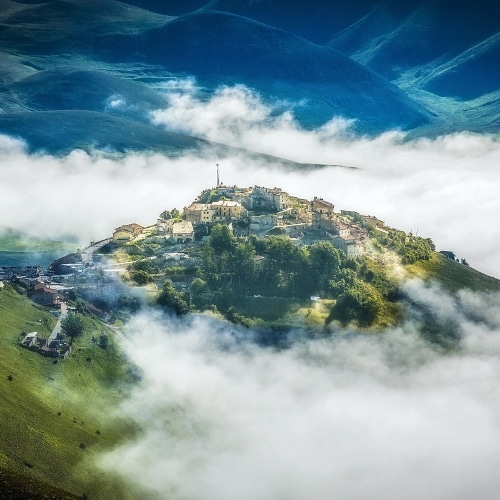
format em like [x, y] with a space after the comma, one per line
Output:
[387, 64]
[471, 74]
[233, 49]
[73, 88]
[392, 42]
[62, 131]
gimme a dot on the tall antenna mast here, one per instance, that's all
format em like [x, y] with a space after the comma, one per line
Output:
[218, 181]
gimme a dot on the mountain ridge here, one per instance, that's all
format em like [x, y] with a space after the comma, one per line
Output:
[402, 67]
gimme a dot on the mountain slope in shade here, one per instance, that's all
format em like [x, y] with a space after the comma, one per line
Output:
[471, 74]
[62, 131]
[69, 24]
[71, 88]
[320, 59]
[219, 47]
[429, 32]
[315, 20]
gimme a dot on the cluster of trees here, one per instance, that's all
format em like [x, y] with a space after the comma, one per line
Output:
[271, 266]
[171, 214]
[230, 267]
[209, 196]
[142, 271]
[173, 300]
[410, 248]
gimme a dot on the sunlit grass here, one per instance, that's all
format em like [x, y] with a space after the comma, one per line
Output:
[55, 418]
[452, 275]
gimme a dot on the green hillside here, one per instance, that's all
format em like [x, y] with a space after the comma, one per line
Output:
[452, 275]
[271, 281]
[55, 418]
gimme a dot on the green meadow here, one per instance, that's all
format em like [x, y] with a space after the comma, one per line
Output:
[56, 419]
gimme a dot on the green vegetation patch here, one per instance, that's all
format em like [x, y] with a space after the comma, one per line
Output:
[55, 414]
[267, 308]
[452, 275]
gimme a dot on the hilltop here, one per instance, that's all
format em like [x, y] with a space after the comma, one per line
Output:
[261, 257]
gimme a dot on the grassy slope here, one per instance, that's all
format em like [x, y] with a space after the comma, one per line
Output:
[452, 275]
[48, 410]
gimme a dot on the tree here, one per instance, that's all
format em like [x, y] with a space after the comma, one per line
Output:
[342, 281]
[173, 300]
[172, 214]
[284, 262]
[198, 286]
[146, 265]
[221, 239]
[140, 277]
[244, 262]
[73, 325]
[129, 303]
[208, 264]
[361, 303]
[103, 340]
[325, 262]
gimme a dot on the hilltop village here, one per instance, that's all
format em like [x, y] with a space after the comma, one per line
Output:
[250, 254]
[261, 211]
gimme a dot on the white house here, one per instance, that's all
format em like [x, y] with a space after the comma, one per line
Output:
[351, 245]
[30, 339]
[183, 232]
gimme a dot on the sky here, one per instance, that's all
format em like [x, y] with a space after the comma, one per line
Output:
[348, 416]
[443, 188]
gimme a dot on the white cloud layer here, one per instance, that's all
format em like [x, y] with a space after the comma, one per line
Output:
[349, 417]
[446, 188]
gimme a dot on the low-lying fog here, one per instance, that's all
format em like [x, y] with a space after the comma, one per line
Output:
[351, 416]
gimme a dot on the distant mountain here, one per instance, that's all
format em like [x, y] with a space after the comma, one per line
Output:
[392, 41]
[425, 66]
[69, 24]
[73, 88]
[469, 75]
[62, 131]
[220, 47]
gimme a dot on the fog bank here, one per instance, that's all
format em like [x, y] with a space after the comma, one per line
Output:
[353, 416]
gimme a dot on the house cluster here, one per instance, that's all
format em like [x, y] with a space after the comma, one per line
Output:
[52, 347]
[267, 209]
[45, 294]
[261, 211]
[38, 286]
[12, 272]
